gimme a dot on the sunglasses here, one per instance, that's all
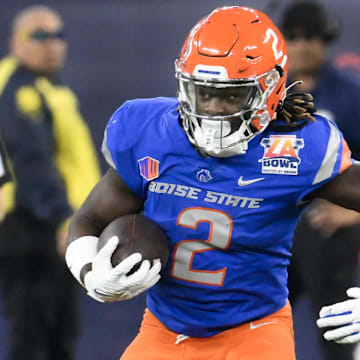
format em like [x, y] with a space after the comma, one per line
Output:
[42, 35]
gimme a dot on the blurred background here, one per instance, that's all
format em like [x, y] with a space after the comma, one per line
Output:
[122, 49]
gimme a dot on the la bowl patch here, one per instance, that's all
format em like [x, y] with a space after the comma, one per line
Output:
[281, 154]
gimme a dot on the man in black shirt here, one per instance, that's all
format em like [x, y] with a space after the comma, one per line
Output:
[54, 165]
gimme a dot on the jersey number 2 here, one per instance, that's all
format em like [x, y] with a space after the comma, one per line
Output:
[219, 237]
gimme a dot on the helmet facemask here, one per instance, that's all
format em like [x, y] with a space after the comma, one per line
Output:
[242, 114]
[237, 51]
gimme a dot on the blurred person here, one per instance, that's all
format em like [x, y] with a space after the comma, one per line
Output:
[325, 250]
[238, 161]
[55, 166]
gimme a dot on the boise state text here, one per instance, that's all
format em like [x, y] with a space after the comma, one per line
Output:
[212, 197]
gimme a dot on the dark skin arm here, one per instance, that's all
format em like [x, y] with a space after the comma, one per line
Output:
[343, 190]
[109, 199]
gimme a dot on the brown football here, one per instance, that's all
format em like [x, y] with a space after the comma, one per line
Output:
[136, 233]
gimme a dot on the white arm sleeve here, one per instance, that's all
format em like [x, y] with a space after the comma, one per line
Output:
[79, 253]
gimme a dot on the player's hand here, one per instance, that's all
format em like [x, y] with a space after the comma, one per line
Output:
[106, 283]
[344, 317]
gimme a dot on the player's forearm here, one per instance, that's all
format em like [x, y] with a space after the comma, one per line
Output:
[109, 199]
[84, 225]
[82, 242]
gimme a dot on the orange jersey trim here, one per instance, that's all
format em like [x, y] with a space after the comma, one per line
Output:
[345, 158]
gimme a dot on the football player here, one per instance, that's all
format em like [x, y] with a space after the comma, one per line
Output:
[226, 170]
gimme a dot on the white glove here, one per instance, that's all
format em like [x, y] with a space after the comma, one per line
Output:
[106, 283]
[345, 316]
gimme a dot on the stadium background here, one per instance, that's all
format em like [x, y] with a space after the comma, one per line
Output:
[122, 49]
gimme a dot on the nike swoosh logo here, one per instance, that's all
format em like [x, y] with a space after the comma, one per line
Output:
[255, 326]
[242, 182]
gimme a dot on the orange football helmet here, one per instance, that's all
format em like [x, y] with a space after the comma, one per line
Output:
[237, 57]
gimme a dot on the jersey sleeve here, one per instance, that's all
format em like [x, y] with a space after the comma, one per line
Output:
[120, 137]
[327, 156]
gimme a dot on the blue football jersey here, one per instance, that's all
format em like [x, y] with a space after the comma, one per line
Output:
[229, 221]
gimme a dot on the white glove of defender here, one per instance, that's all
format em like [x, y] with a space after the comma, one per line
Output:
[345, 316]
[106, 283]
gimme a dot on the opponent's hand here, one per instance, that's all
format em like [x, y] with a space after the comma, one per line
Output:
[106, 283]
[345, 317]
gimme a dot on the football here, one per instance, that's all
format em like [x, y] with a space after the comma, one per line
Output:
[136, 233]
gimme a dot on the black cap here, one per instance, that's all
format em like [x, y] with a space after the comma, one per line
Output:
[310, 18]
